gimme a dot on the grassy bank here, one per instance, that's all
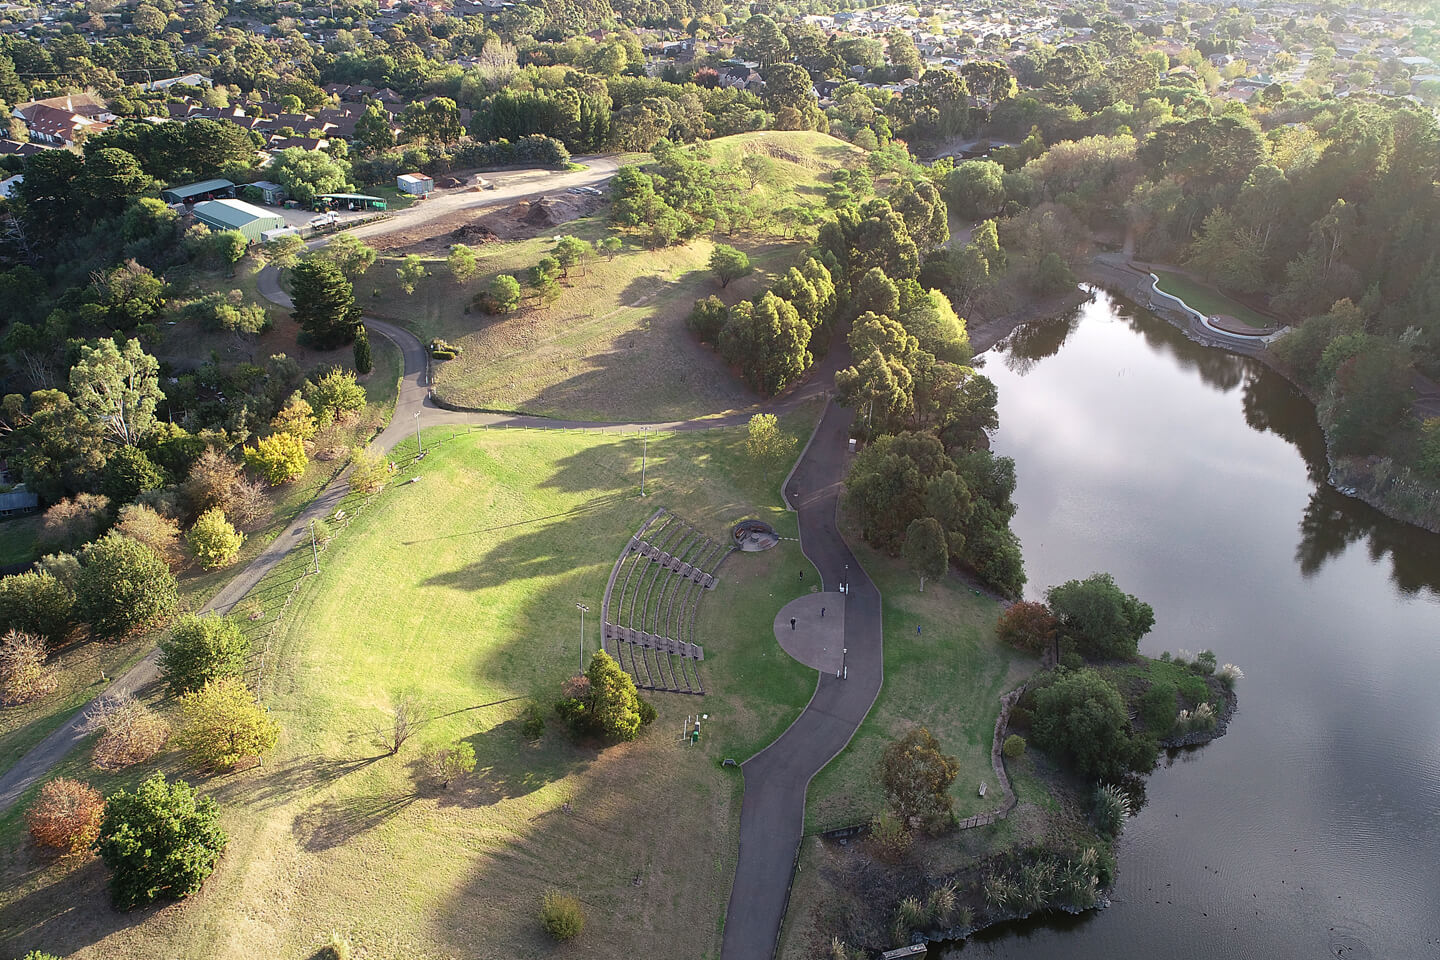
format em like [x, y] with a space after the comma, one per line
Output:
[1208, 300]
[461, 588]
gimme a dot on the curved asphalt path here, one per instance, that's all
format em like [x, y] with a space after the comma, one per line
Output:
[772, 813]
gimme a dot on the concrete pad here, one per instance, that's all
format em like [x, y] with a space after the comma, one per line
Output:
[815, 641]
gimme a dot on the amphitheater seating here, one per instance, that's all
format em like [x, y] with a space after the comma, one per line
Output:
[649, 624]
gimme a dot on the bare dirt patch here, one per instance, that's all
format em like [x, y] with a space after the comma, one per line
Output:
[518, 221]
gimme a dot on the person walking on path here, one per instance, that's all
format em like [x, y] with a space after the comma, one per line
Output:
[822, 613]
[792, 623]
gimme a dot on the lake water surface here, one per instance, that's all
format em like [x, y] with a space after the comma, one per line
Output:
[1312, 829]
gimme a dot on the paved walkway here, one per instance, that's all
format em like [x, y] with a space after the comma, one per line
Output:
[816, 638]
[772, 815]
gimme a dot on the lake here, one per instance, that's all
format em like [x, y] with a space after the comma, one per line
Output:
[1312, 829]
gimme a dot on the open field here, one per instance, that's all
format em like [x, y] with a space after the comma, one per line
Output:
[461, 588]
[1208, 300]
[617, 324]
[948, 678]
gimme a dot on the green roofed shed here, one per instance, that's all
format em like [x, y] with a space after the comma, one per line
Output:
[204, 190]
[248, 219]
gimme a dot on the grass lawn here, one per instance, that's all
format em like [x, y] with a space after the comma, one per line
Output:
[1208, 300]
[461, 588]
[618, 323]
[949, 678]
[17, 539]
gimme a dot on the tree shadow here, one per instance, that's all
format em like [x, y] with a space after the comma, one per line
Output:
[67, 914]
[507, 766]
[337, 821]
[275, 786]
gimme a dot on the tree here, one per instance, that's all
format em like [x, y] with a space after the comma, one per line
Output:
[707, 319]
[229, 246]
[118, 388]
[451, 762]
[925, 549]
[352, 256]
[605, 704]
[66, 815]
[72, 523]
[200, 649]
[129, 473]
[503, 294]
[766, 441]
[572, 252]
[1105, 622]
[363, 362]
[324, 302]
[1027, 626]
[23, 673]
[284, 251]
[306, 174]
[903, 55]
[160, 840]
[462, 263]
[976, 188]
[279, 458]
[763, 41]
[123, 586]
[214, 540]
[728, 264]
[373, 131]
[129, 295]
[610, 246]
[368, 471]
[131, 733]
[405, 719]
[335, 395]
[1081, 719]
[917, 776]
[225, 724]
[768, 341]
[411, 271]
[37, 602]
[297, 417]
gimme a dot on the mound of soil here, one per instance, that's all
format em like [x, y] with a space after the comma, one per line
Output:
[476, 232]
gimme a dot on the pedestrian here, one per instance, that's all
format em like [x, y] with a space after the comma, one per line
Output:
[822, 613]
[802, 573]
[917, 629]
[792, 623]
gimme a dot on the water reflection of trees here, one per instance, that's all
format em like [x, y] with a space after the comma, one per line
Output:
[1331, 522]
[1033, 342]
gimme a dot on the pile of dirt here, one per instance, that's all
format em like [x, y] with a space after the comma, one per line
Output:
[449, 182]
[476, 232]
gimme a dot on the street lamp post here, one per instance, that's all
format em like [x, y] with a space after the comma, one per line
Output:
[644, 449]
[314, 551]
[583, 610]
[418, 442]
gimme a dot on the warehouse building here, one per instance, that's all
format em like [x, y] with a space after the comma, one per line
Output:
[251, 221]
[195, 192]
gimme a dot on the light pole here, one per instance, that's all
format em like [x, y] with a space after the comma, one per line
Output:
[314, 551]
[418, 443]
[583, 610]
[644, 449]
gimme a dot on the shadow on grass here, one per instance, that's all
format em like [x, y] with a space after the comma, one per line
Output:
[337, 821]
[279, 785]
[595, 504]
[508, 766]
[37, 922]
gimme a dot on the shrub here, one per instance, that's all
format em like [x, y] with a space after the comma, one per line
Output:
[1014, 747]
[765, 441]
[532, 723]
[1105, 622]
[502, 296]
[66, 815]
[910, 914]
[71, 523]
[1027, 626]
[561, 916]
[940, 905]
[214, 540]
[123, 586]
[146, 525]
[279, 458]
[451, 762]
[1201, 718]
[1157, 708]
[211, 482]
[200, 649]
[1112, 808]
[1205, 662]
[161, 840]
[225, 724]
[368, 471]
[364, 362]
[129, 473]
[1228, 674]
[336, 948]
[296, 417]
[444, 350]
[37, 602]
[23, 674]
[1080, 717]
[707, 318]
[890, 836]
[131, 732]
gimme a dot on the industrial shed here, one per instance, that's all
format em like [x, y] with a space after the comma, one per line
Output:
[251, 221]
[192, 192]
